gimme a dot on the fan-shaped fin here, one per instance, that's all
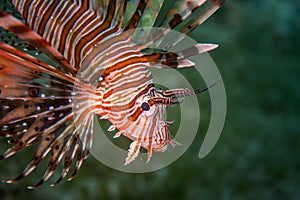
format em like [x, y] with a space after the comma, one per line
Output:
[136, 17]
[13, 25]
[37, 108]
[150, 13]
[205, 11]
[178, 59]
[181, 11]
[187, 15]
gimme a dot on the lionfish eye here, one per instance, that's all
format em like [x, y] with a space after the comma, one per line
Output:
[145, 106]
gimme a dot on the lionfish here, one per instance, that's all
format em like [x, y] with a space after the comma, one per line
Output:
[90, 39]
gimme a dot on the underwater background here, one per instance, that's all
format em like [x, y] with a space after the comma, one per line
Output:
[257, 155]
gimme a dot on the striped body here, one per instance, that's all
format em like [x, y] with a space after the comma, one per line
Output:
[101, 70]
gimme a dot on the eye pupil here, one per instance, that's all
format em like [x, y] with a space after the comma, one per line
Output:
[145, 106]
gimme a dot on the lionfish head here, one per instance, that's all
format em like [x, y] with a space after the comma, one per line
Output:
[146, 126]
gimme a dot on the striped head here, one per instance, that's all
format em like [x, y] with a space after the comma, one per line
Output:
[145, 124]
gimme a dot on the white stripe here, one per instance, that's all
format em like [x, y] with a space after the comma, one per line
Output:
[72, 9]
[78, 29]
[53, 23]
[42, 10]
[55, 39]
[113, 61]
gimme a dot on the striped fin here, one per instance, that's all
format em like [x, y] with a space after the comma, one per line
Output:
[200, 15]
[150, 14]
[177, 59]
[180, 11]
[131, 7]
[13, 25]
[184, 9]
[205, 11]
[148, 17]
[197, 10]
[137, 15]
[74, 28]
[36, 107]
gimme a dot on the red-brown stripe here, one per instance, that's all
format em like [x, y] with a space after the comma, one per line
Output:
[120, 65]
[131, 104]
[69, 25]
[46, 17]
[35, 13]
[69, 3]
[95, 32]
[75, 35]
[26, 9]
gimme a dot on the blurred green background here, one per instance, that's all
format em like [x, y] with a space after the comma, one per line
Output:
[257, 156]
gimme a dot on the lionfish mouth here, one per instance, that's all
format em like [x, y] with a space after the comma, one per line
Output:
[100, 62]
